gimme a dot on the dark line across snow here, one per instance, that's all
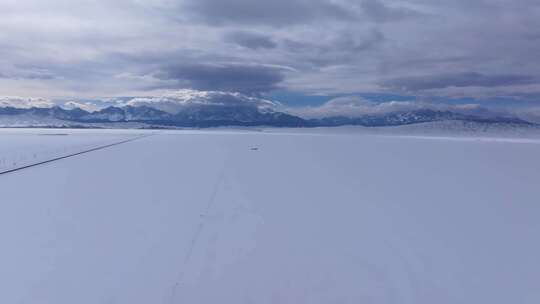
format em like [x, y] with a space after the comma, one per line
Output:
[72, 155]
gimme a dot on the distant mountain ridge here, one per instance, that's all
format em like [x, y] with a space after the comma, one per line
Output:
[191, 116]
[411, 117]
[197, 115]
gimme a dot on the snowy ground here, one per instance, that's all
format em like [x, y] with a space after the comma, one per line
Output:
[310, 216]
[22, 147]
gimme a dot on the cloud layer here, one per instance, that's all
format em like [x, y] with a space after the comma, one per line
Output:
[94, 48]
[25, 102]
[224, 77]
[353, 106]
[176, 101]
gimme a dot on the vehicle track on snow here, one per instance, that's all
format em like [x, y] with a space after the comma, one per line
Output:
[194, 240]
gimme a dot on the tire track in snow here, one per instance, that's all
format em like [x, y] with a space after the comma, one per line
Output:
[196, 236]
[72, 155]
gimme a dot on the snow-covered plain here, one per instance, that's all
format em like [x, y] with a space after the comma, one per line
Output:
[23, 147]
[272, 216]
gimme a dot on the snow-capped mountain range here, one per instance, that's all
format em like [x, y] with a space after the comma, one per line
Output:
[190, 116]
[188, 108]
[412, 117]
[219, 115]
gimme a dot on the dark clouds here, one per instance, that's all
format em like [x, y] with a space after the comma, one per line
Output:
[379, 12]
[224, 77]
[134, 47]
[469, 79]
[29, 74]
[251, 40]
[275, 13]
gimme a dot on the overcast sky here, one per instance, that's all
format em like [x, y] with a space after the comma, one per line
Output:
[487, 49]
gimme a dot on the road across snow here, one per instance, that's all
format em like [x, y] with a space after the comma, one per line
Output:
[20, 148]
[306, 217]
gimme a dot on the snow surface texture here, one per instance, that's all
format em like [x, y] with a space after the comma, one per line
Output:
[309, 216]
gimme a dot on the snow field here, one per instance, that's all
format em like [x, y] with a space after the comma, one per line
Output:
[308, 217]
